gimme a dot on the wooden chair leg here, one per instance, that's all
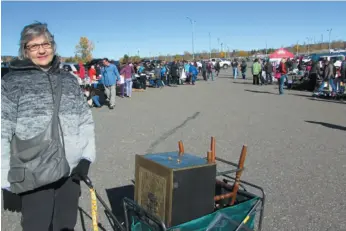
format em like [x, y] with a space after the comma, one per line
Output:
[239, 173]
[213, 149]
[181, 148]
[209, 157]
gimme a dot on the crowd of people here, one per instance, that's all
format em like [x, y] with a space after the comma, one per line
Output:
[319, 74]
[107, 79]
[157, 74]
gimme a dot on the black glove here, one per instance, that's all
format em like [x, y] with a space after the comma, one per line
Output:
[11, 201]
[81, 170]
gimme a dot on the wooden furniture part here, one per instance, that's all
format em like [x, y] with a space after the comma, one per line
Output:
[235, 187]
[181, 148]
[213, 149]
[209, 157]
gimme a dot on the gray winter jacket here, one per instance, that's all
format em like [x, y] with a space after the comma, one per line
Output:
[27, 108]
[329, 71]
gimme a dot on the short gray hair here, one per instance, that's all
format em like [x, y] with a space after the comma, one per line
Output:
[32, 31]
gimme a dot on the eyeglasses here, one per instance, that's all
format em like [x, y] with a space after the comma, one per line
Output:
[35, 47]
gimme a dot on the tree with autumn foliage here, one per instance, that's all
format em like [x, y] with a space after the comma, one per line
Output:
[242, 54]
[187, 55]
[84, 49]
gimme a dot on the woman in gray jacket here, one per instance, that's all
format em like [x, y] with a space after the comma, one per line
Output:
[45, 149]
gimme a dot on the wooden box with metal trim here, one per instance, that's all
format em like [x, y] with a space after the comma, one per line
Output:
[175, 186]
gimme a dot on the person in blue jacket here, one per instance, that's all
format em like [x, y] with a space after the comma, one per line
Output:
[187, 71]
[193, 73]
[140, 69]
[163, 73]
[110, 77]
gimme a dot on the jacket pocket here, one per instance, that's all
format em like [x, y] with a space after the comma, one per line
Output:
[16, 175]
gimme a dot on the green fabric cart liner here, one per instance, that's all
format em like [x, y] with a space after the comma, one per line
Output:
[236, 213]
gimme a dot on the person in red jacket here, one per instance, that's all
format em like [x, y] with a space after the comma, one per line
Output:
[283, 72]
[81, 71]
[92, 73]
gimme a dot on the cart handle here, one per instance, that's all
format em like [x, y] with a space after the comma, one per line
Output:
[88, 182]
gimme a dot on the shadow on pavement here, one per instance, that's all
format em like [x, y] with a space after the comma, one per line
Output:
[302, 95]
[115, 197]
[327, 100]
[244, 82]
[223, 77]
[328, 125]
[263, 92]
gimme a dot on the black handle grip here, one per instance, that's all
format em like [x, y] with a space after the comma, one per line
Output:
[87, 181]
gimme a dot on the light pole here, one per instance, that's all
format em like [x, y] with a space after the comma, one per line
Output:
[209, 46]
[308, 45]
[330, 31]
[321, 41]
[193, 43]
[227, 51]
[297, 47]
[218, 44]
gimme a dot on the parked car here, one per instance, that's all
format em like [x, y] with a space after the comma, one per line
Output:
[199, 64]
[223, 63]
[73, 68]
[337, 50]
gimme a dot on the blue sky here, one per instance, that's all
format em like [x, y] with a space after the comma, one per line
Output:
[117, 28]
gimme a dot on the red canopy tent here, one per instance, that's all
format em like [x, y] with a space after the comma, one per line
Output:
[281, 53]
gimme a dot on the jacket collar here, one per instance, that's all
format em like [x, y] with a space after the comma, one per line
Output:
[27, 64]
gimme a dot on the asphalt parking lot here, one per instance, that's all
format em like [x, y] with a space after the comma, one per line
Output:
[296, 146]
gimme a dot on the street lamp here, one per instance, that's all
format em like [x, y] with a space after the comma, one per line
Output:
[330, 31]
[193, 44]
[227, 51]
[321, 41]
[309, 39]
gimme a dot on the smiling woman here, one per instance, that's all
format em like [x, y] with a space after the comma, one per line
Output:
[47, 135]
[36, 41]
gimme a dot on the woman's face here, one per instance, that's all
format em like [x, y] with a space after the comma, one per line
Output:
[39, 51]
